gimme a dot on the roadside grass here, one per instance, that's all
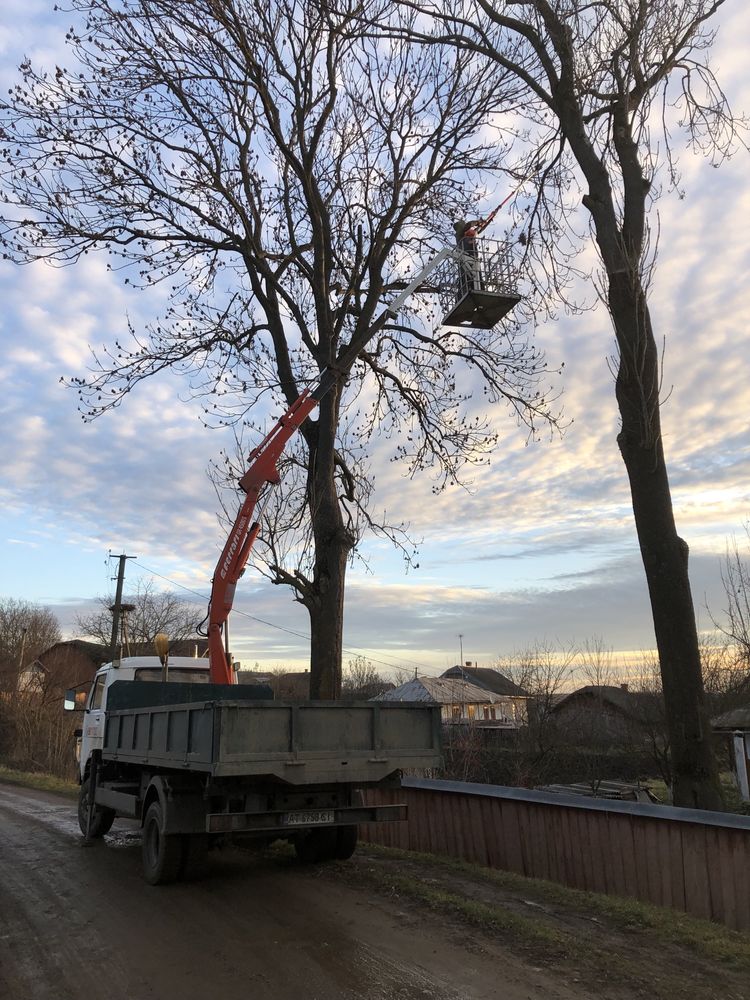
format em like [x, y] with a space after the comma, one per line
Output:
[42, 782]
[703, 938]
[732, 801]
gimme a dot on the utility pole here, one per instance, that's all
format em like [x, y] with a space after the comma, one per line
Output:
[24, 630]
[461, 648]
[116, 608]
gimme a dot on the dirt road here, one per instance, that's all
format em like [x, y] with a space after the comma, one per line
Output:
[78, 922]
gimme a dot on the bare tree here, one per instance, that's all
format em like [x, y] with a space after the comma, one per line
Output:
[282, 172]
[607, 86]
[152, 611]
[735, 621]
[545, 674]
[26, 630]
[32, 730]
[362, 680]
[725, 673]
[41, 734]
[597, 664]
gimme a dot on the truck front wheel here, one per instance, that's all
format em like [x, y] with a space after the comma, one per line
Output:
[101, 821]
[162, 852]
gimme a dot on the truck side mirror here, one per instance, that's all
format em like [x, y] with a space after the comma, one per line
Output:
[75, 699]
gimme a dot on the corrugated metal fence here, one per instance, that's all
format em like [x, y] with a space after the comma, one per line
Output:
[686, 859]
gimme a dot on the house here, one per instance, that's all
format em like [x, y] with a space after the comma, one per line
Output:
[461, 701]
[72, 662]
[604, 711]
[32, 679]
[515, 704]
[735, 724]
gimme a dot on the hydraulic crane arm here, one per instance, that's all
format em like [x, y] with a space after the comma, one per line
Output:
[260, 472]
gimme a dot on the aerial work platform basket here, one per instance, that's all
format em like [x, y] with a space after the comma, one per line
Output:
[477, 288]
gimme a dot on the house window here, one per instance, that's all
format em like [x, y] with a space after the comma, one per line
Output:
[486, 711]
[456, 712]
[471, 711]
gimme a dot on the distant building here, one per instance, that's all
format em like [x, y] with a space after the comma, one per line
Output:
[291, 686]
[486, 677]
[610, 712]
[73, 662]
[462, 702]
[515, 700]
[32, 679]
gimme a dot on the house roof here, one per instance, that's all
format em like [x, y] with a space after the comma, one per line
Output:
[486, 677]
[443, 690]
[98, 653]
[737, 718]
[616, 697]
[93, 649]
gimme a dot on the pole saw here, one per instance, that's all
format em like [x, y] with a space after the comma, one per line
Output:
[485, 222]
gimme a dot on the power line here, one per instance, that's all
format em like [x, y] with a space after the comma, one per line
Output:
[282, 628]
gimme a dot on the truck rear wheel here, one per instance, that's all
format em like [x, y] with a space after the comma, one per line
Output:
[162, 852]
[346, 842]
[316, 846]
[101, 821]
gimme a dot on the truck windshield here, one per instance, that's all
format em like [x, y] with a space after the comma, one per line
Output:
[187, 676]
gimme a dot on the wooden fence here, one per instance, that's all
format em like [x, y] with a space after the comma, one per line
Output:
[690, 860]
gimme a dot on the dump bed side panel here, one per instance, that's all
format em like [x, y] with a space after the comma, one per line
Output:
[303, 743]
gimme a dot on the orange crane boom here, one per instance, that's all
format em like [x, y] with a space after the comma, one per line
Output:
[233, 559]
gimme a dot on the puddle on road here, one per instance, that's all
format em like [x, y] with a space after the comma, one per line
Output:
[123, 838]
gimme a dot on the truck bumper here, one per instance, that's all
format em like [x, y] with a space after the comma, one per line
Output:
[281, 824]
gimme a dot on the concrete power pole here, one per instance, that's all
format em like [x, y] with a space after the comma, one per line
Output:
[116, 608]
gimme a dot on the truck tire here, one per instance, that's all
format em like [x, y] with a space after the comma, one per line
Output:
[194, 852]
[346, 842]
[162, 852]
[101, 821]
[316, 846]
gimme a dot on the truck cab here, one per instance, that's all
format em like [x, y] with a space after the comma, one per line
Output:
[186, 669]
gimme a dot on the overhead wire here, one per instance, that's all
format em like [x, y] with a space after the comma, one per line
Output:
[403, 661]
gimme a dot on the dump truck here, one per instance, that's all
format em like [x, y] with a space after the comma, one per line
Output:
[197, 762]
[179, 745]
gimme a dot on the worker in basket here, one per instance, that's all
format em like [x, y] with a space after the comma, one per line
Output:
[470, 272]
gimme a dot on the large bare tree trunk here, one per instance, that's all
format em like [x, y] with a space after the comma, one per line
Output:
[664, 553]
[324, 595]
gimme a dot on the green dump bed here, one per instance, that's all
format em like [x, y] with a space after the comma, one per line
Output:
[305, 743]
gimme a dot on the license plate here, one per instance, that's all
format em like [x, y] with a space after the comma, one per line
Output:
[309, 817]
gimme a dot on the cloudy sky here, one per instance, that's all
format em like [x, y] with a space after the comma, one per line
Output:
[541, 549]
